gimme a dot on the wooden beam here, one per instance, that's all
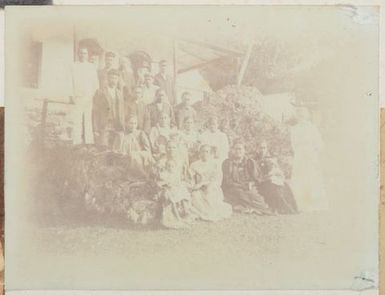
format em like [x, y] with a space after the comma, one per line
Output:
[244, 64]
[192, 54]
[213, 47]
[200, 65]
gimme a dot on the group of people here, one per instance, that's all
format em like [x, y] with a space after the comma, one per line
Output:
[198, 174]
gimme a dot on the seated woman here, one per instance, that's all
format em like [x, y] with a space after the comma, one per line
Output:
[240, 182]
[190, 139]
[174, 193]
[207, 195]
[273, 186]
[161, 134]
[136, 146]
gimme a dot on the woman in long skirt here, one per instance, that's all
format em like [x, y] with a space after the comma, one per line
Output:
[307, 177]
[207, 195]
[240, 179]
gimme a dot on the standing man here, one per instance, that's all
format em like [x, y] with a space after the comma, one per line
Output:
[149, 89]
[109, 111]
[165, 82]
[109, 59]
[127, 78]
[184, 110]
[135, 107]
[84, 86]
[156, 109]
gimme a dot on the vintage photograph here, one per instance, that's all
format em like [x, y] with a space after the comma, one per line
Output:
[191, 147]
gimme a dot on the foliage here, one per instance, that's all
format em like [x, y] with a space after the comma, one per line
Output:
[88, 179]
[241, 117]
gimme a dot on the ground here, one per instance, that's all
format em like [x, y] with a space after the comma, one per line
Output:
[245, 251]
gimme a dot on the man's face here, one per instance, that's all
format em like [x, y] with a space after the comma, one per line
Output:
[148, 79]
[187, 99]
[94, 59]
[113, 80]
[205, 152]
[138, 92]
[132, 124]
[83, 54]
[239, 151]
[161, 96]
[109, 61]
[172, 148]
[163, 67]
[125, 63]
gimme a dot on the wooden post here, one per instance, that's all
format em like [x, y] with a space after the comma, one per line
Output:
[245, 64]
[175, 61]
[75, 40]
[43, 123]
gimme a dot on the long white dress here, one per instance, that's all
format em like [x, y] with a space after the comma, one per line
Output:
[207, 201]
[307, 180]
[219, 141]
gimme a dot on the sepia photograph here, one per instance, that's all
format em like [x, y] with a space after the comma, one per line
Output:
[192, 147]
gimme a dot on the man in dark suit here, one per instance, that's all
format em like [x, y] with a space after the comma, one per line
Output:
[156, 109]
[109, 59]
[108, 111]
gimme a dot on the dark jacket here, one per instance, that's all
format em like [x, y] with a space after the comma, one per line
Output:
[239, 174]
[105, 115]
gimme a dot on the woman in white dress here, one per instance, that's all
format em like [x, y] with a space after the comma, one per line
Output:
[175, 196]
[307, 179]
[190, 138]
[207, 196]
[161, 134]
[216, 139]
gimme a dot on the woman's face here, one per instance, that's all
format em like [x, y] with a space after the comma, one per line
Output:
[189, 124]
[205, 153]
[161, 96]
[213, 125]
[132, 124]
[172, 149]
[83, 54]
[239, 151]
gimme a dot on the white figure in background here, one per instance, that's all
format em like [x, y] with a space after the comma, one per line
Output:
[84, 86]
[307, 177]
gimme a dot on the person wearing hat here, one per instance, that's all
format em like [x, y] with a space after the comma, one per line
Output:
[109, 59]
[165, 82]
[84, 85]
[108, 111]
